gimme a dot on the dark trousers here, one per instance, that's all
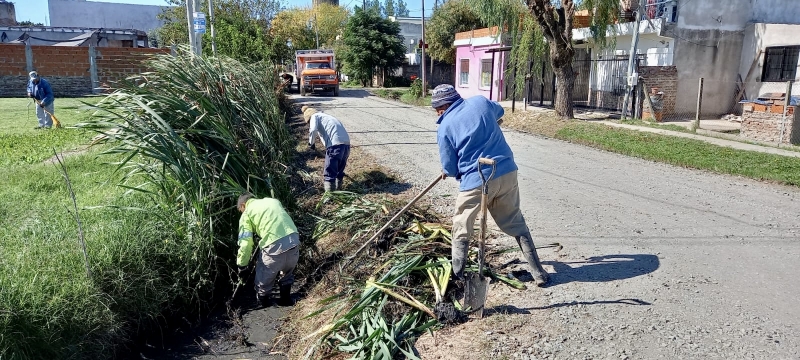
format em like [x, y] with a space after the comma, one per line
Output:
[335, 162]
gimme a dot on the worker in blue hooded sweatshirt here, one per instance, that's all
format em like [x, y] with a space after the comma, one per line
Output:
[468, 130]
[40, 90]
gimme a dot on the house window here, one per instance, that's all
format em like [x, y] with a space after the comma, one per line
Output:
[464, 74]
[486, 73]
[780, 63]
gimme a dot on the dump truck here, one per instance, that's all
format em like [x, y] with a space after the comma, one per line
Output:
[316, 71]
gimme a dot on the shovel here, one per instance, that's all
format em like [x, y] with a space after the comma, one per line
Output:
[476, 283]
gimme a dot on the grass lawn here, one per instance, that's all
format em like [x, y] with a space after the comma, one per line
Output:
[684, 152]
[672, 127]
[48, 304]
[20, 143]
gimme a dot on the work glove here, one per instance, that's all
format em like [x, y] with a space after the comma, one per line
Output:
[30, 95]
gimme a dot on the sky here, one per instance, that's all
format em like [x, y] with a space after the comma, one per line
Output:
[36, 10]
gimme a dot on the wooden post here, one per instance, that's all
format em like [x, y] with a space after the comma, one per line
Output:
[788, 100]
[696, 124]
[491, 78]
[514, 92]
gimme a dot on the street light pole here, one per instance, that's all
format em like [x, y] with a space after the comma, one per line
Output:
[424, 88]
[211, 21]
[189, 19]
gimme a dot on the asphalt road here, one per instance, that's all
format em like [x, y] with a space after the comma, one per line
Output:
[658, 261]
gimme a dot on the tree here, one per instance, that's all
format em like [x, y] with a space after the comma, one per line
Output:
[389, 8]
[447, 20]
[302, 24]
[371, 42]
[401, 8]
[241, 26]
[551, 21]
[29, 23]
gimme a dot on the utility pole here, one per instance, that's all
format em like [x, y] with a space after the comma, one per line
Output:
[316, 28]
[422, 60]
[211, 20]
[632, 59]
[190, 20]
[198, 37]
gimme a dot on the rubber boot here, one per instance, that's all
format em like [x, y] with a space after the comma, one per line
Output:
[286, 295]
[328, 186]
[529, 251]
[338, 185]
[459, 257]
[264, 301]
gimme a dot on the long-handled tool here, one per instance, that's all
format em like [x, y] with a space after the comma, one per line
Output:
[477, 284]
[56, 123]
[401, 212]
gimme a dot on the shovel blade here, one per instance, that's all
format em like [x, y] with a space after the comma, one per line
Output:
[475, 293]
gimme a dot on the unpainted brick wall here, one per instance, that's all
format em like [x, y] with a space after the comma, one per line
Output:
[116, 64]
[13, 71]
[762, 125]
[68, 69]
[665, 78]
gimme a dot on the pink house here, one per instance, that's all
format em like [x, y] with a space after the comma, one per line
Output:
[480, 62]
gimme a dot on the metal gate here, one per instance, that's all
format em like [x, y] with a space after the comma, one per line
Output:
[599, 83]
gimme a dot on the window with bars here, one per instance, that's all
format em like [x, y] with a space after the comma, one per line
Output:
[486, 72]
[464, 72]
[780, 63]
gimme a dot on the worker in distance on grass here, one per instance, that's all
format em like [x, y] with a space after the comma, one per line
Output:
[278, 251]
[337, 145]
[39, 89]
[469, 130]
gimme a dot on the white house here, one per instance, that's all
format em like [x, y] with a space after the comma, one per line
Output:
[728, 43]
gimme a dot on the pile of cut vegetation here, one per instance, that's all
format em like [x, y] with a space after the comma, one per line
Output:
[374, 305]
[183, 141]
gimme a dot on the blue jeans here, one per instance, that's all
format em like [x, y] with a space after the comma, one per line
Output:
[335, 162]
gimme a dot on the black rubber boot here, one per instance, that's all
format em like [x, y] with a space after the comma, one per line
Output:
[337, 185]
[264, 301]
[529, 251]
[286, 296]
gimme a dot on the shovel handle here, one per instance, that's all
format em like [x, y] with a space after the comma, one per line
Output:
[487, 161]
[401, 212]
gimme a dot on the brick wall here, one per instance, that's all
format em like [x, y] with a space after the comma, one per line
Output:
[13, 71]
[665, 78]
[115, 64]
[68, 69]
[763, 123]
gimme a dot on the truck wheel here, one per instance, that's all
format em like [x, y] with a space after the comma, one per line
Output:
[336, 91]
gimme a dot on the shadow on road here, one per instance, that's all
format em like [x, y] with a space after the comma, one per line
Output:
[376, 181]
[602, 268]
[510, 309]
[394, 143]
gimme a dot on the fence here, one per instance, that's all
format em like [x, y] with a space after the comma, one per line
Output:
[599, 83]
[72, 71]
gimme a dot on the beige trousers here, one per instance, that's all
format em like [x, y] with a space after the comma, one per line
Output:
[503, 205]
[279, 257]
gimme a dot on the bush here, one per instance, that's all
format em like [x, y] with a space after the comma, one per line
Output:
[416, 89]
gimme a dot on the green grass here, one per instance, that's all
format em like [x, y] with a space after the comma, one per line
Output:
[671, 127]
[403, 96]
[20, 143]
[685, 152]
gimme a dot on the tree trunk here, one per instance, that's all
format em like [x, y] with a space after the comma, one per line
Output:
[561, 60]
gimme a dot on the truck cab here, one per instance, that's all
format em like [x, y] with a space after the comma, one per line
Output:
[317, 71]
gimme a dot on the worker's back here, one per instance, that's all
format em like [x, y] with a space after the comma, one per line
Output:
[268, 219]
[331, 130]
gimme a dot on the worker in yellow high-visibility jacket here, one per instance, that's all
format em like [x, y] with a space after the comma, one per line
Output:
[279, 248]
